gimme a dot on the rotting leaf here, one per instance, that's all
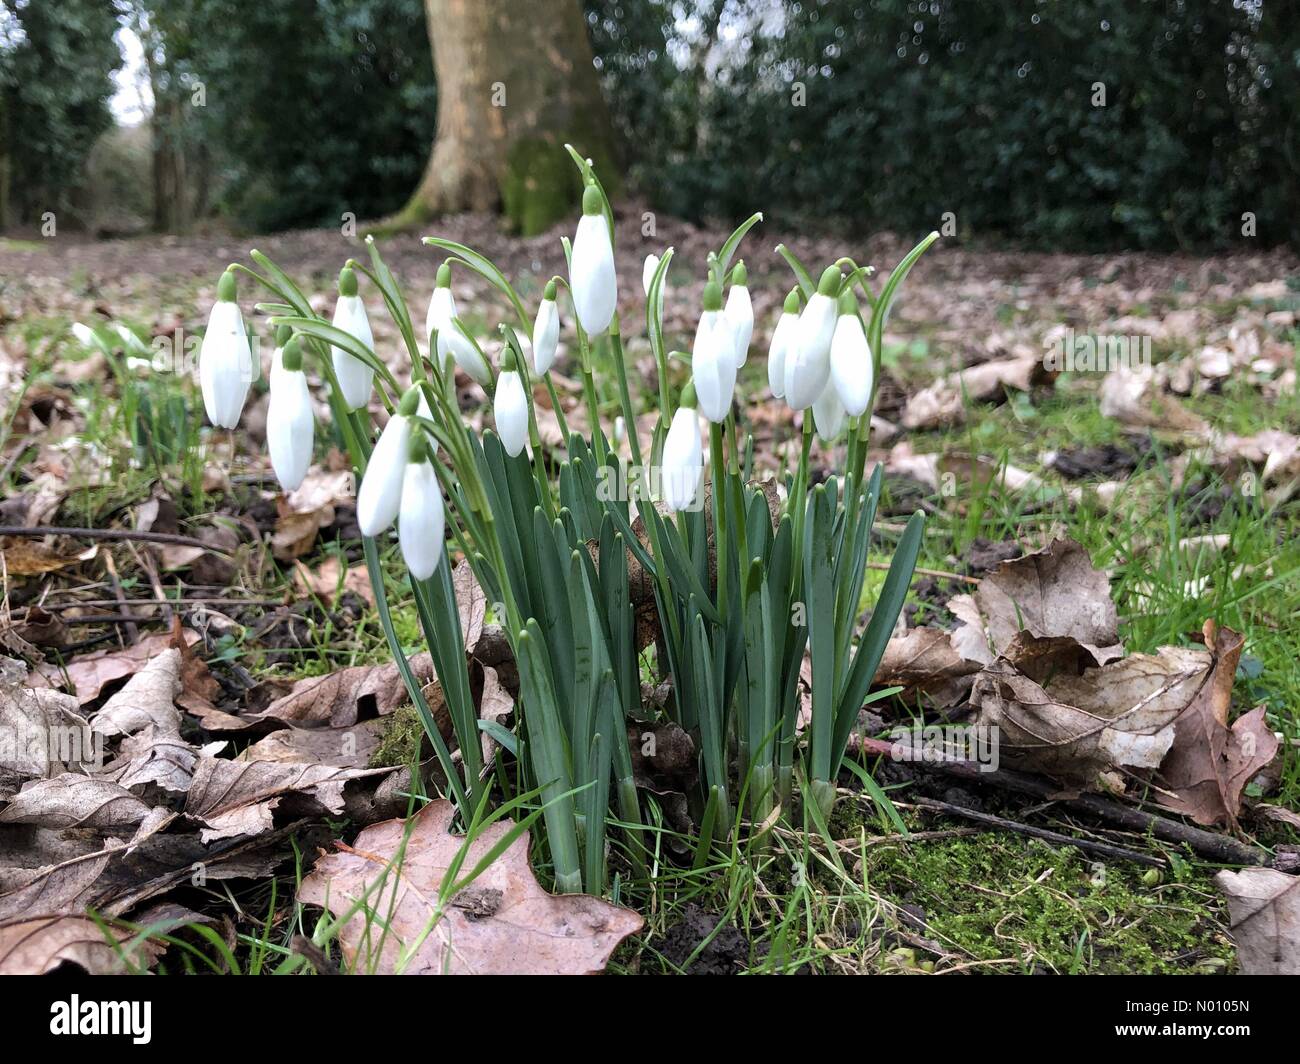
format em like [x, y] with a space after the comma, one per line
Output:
[1211, 763]
[39, 946]
[1264, 907]
[502, 923]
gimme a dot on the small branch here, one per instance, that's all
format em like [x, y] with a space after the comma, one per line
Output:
[1221, 848]
[110, 533]
[938, 574]
[1102, 849]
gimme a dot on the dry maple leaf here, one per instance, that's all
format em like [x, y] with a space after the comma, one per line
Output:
[503, 923]
[1264, 907]
[1211, 763]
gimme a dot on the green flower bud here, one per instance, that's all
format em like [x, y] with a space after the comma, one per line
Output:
[848, 302]
[282, 335]
[444, 276]
[419, 451]
[291, 356]
[347, 282]
[549, 292]
[226, 287]
[591, 200]
[410, 401]
[740, 275]
[829, 285]
[713, 296]
[688, 396]
[792, 302]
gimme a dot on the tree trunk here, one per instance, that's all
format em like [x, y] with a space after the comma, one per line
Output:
[515, 83]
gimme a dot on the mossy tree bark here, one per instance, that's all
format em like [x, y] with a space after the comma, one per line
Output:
[515, 83]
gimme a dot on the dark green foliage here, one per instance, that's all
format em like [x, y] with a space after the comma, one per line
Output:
[913, 109]
[313, 107]
[56, 66]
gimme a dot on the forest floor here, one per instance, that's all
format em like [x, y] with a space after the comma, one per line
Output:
[1175, 479]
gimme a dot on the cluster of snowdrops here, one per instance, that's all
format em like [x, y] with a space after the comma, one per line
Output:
[720, 587]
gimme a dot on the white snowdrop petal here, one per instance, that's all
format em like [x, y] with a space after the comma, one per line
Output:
[356, 379]
[510, 409]
[851, 366]
[546, 336]
[421, 522]
[783, 335]
[828, 414]
[290, 427]
[740, 315]
[807, 364]
[225, 365]
[591, 274]
[683, 461]
[380, 496]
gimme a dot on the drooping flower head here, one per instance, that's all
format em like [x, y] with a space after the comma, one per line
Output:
[591, 271]
[683, 457]
[510, 405]
[740, 313]
[808, 363]
[713, 358]
[225, 360]
[852, 370]
[783, 339]
[355, 377]
[290, 425]
[546, 331]
[380, 497]
[453, 343]
[421, 522]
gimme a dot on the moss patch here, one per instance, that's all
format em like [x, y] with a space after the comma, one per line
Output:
[402, 741]
[1042, 909]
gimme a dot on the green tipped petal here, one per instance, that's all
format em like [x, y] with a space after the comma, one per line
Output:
[688, 396]
[792, 302]
[291, 356]
[549, 292]
[713, 296]
[829, 285]
[848, 302]
[591, 201]
[347, 282]
[444, 276]
[740, 275]
[509, 363]
[410, 401]
[282, 335]
[226, 287]
[419, 451]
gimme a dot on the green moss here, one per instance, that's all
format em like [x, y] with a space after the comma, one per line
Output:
[1008, 899]
[541, 185]
[402, 742]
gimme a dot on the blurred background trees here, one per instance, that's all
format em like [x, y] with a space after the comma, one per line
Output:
[1156, 123]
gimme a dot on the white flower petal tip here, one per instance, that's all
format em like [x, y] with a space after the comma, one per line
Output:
[740, 315]
[546, 336]
[421, 522]
[592, 279]
[783, 338]
[225, 365]
[807, 363]
[510, 409]
[829, 416]
[380, 497]
[852, 371]
[290, 427]
[356, 379]
[683, 461]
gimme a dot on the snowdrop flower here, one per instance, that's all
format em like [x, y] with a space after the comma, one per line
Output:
[852, 369]
[510, 407]
[421, 522]
[740, 313]
[380, 497]
[282, 335]
[713, 358]
[648, 272]
[356, 379]
[783, 338]
[85, 336]
[225, 360]
[591, 271]
[290, 427]
[453, 344]
[683, 457]
[828, 413]
[546, 331]
[808, 362]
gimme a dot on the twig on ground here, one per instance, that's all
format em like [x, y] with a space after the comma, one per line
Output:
[1102, 849]
[1222, 848]
[132, 631]
[111, 533]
